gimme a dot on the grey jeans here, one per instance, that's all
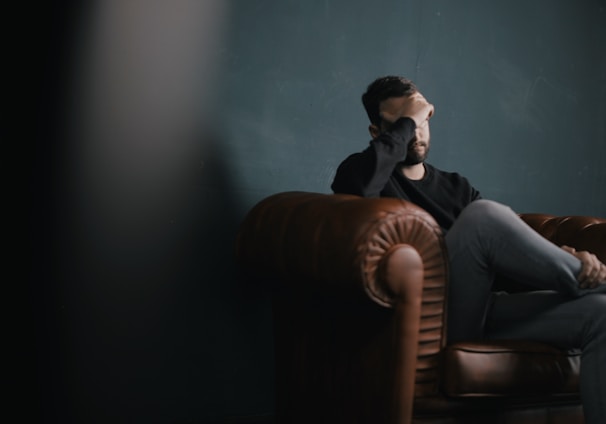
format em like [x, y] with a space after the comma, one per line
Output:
[489, 238]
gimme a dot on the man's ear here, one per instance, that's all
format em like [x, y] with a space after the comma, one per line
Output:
[374, 131]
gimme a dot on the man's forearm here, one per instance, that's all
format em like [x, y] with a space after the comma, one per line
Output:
[366, 173]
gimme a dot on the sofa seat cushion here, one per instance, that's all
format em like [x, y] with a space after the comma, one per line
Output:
[509, 369]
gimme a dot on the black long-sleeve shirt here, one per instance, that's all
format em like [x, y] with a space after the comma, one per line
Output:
[377, 172]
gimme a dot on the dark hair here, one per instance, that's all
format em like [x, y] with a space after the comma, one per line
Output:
[383, 88]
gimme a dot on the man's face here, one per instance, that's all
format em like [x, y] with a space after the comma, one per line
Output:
[418, 148]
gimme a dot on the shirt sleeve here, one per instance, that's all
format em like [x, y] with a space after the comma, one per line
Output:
[474, 193]
[366, 173]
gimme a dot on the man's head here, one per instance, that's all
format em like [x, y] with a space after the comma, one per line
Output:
[389, 97]
[382, 89]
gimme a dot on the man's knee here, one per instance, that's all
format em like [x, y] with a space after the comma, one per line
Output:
[486, 212]
[485, 207]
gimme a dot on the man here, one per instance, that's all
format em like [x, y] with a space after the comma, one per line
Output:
[483, 238]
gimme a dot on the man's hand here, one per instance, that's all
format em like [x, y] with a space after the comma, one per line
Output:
[593, 272]
[414, 106]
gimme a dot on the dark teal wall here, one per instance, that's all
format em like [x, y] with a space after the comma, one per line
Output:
[519, 89]
[159, 127]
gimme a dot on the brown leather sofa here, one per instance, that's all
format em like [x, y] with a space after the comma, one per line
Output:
[359, 301]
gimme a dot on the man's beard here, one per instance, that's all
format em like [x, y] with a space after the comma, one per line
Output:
[413, 157]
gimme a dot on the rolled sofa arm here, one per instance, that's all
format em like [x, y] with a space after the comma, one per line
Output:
[337, 241]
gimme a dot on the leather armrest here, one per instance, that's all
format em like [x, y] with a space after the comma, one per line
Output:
[387, 250]
[336, 240]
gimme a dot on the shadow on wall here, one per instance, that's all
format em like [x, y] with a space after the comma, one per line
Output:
[235, 337]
